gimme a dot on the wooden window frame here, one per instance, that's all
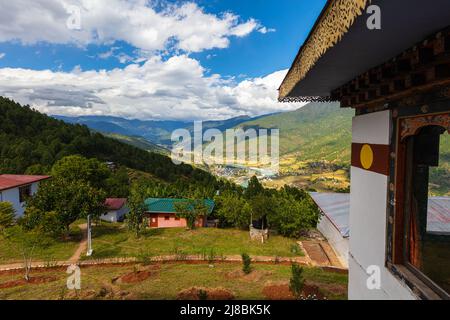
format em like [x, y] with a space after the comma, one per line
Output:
[419, 283]
[22, 197]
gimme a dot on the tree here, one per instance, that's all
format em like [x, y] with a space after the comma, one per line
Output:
[233, 211]
[71, 200]
[246, 263]
[297, 281]
[191, 210]
[291, 217]
[135, 218]
[78, 168]
[254, 188]
[7, 215]
[47, 223]
[25, 242]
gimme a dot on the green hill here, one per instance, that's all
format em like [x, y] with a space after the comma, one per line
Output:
[138, 142]
[31, 142]
[315, 132]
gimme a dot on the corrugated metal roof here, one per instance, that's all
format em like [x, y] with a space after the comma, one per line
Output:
[9, 181]
[158, 205]
[439, 215]
[336, 206]
[115, 203]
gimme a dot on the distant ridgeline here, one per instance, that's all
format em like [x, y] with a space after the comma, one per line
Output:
[317, 131]
[32, 142]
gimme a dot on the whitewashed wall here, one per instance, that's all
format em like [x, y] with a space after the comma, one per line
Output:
[12, 195]
[114, 215]
[368, 211]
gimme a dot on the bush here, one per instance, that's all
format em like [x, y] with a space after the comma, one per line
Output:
[7, 215]
[246, 263]
[297, 281]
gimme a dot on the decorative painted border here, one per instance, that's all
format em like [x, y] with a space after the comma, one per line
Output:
[333, 25]
[410, 126]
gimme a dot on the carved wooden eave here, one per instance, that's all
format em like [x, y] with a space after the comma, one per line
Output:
[345, 60]
[333, 23]
[417, 70]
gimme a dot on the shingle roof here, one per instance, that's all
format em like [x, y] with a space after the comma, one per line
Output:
[159, 205]
[115, 203]
[9, 181]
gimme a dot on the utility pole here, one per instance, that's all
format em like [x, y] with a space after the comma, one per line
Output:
[89, 236]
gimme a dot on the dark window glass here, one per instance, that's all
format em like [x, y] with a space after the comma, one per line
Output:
[427, 239]
[24, 193]
[166, 218]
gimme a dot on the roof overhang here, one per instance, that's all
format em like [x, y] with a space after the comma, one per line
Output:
[340, 47]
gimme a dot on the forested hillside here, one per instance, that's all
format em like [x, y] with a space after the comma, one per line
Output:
[31, 142]
[317, 131]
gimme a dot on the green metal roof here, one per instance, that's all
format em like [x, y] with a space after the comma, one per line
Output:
[159, 205]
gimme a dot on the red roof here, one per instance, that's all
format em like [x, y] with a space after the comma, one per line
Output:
[115, 203]
[9, 181]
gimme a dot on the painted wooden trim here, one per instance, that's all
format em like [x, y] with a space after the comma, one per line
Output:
[371, 157]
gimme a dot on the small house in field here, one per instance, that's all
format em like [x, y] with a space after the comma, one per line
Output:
[116, 210]
[17, 188]
[162, 213]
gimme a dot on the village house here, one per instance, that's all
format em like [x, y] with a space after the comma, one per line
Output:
[162, 213]
[17, 188]
[116, 209]
[397, 79]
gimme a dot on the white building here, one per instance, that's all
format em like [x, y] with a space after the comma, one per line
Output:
[17, 188]
[390, 62]
[334, 223]
[116, 210]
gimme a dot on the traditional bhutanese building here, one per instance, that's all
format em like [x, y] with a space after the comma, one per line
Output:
[389, 60]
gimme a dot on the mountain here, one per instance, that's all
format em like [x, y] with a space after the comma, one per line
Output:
[31, 142]
[315, 132]
[156, 132]
[138, 142]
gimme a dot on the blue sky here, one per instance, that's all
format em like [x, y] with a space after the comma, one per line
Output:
[165, 52]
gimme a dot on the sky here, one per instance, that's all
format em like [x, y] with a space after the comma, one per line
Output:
[151, 59]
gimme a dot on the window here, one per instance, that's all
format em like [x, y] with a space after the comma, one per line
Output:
[177, 219]
[167, 218]
[426, 209]
[24, 193]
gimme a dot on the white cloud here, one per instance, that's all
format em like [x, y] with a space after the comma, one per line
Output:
[174, 89]
[182, 26]
[2, 55]
[265, 30]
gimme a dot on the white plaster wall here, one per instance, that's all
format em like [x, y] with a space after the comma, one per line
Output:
[339, 244]
[115, 215]
[12, 195]
[368, 212]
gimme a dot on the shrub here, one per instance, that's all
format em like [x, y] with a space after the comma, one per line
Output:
[202, 295]
[7, 215]
[297, 281]
[246, 263]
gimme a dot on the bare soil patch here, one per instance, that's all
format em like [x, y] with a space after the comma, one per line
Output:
[253, 276]
[22, 282]
[196, 293]
[138, 275]
[281, 291]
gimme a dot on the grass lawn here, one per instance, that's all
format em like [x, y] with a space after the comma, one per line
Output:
[115, 241]
[169, 280]
[55, 250]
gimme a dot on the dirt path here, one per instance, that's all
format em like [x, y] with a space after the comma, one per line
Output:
[81, 247]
